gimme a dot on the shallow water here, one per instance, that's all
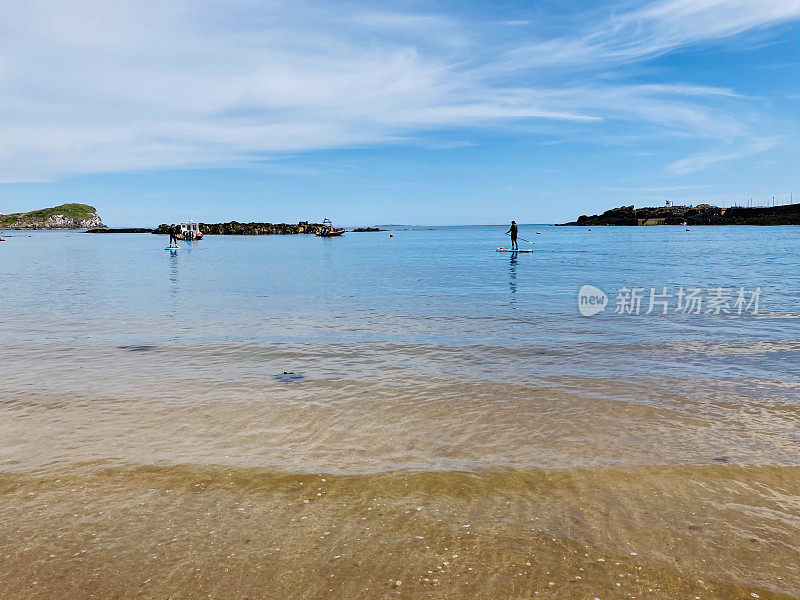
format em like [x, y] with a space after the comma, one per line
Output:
[139, 403]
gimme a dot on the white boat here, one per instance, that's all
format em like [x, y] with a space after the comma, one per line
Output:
[190, 231]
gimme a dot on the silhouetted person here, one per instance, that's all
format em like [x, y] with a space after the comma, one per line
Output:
[173, 235]
[513, 231]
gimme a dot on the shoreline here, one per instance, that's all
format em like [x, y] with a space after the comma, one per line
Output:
[229, 532]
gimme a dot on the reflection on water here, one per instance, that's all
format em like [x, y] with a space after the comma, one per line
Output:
[173, 272]
[512, 277]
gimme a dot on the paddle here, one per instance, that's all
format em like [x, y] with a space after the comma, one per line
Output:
[521, 238]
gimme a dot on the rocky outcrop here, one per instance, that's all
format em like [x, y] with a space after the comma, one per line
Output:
[121, 230]
[702, 214]
[66, 216]
[236, 228]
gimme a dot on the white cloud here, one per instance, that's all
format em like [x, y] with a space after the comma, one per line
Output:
[654, 29]
[701, 161]
[96, 86]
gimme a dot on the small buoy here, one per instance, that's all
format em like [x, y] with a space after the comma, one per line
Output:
[538, 233]
[687, 229]
[590, 228]
[391, 235]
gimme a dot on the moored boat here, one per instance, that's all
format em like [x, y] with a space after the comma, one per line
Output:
[190, 231]
[328, 230]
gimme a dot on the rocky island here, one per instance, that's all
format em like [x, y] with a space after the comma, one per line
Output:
[66, 216]
[236, 228]
[121, 230]
[702, 214]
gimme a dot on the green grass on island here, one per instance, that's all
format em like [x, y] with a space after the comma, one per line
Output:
[74, 210]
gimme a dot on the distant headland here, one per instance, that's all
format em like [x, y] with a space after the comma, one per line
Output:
[66, 216]
[702, 214]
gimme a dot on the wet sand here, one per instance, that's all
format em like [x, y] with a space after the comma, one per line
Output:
[105, 530]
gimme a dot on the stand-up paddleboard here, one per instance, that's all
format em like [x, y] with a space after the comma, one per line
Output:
[510, 250]
[172, 248]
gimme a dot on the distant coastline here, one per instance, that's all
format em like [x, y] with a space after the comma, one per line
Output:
[84, 216]
[236, 228]
[702, 214]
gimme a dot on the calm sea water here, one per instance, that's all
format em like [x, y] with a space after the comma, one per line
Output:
[94, 313]
[426, 352]
[444, 287]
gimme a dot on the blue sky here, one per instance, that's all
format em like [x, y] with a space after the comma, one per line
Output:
[395, 112]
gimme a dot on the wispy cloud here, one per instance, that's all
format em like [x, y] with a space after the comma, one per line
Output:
[653, 29]
[701, 161]
[677, 188]
[93, 86]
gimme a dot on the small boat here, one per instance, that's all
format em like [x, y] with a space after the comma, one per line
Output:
[328, 230]
[190, 231]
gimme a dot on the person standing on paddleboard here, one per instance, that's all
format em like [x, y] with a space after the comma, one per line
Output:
[513, 231]
[173, 235]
